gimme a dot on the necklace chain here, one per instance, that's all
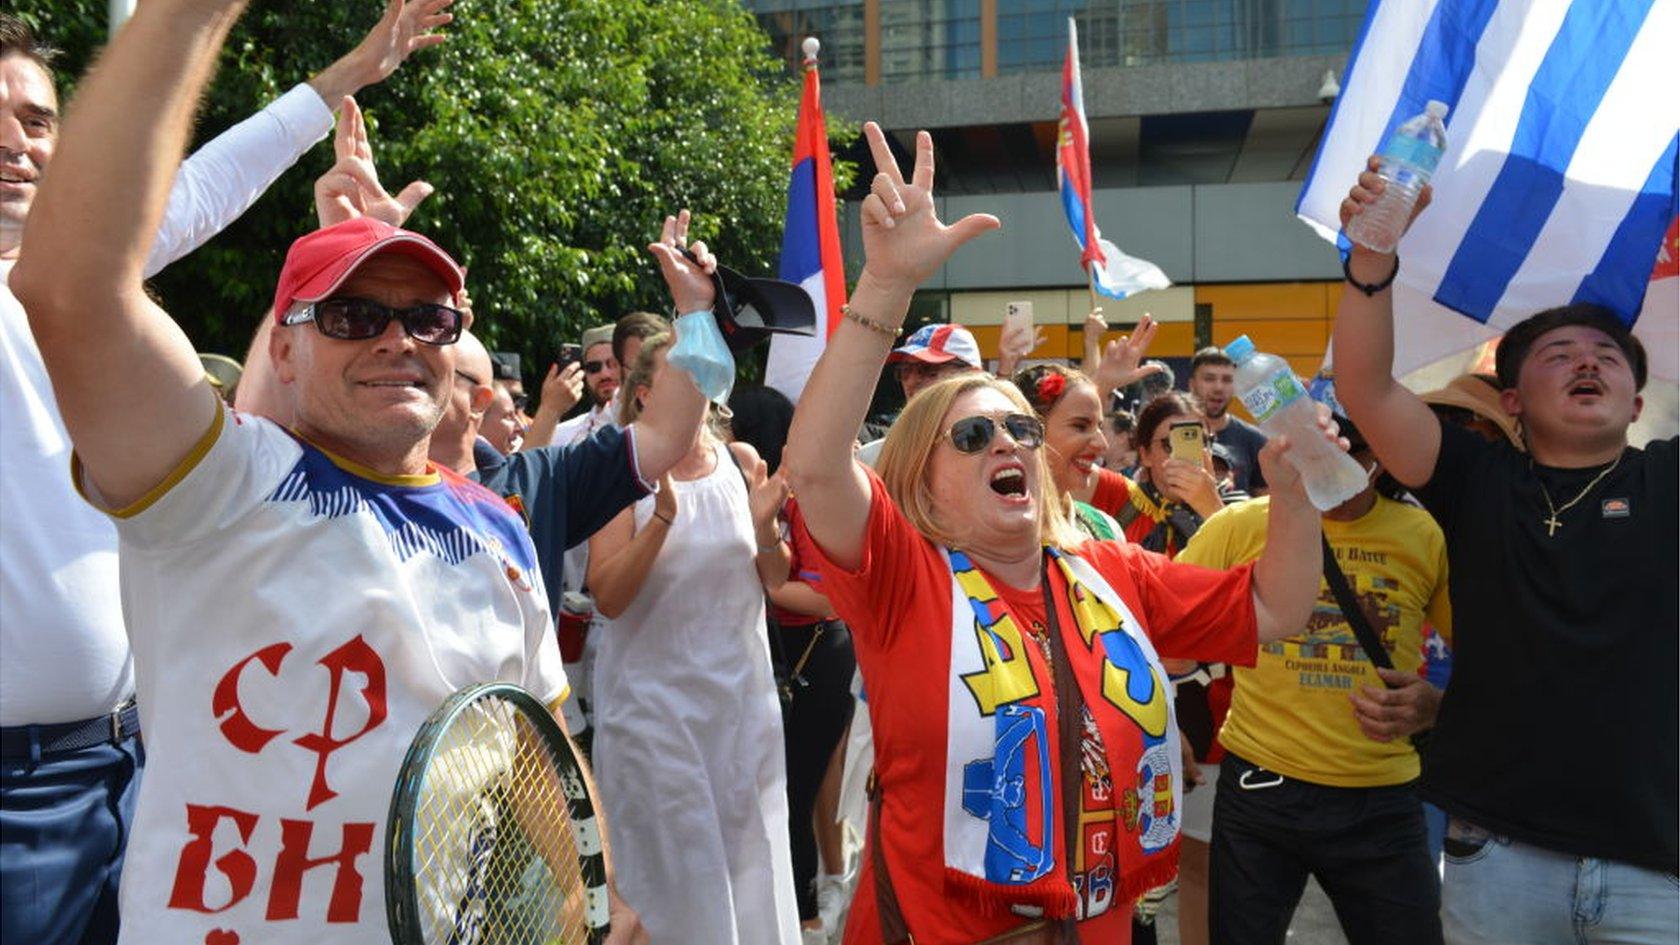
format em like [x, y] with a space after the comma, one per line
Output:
[1553, 511]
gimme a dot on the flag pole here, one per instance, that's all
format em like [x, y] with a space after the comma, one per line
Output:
[1090, 289]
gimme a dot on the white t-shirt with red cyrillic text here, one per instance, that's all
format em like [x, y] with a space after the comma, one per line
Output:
[294, 619]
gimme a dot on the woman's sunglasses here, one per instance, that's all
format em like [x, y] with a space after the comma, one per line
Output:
[973, 434]
[353, 319]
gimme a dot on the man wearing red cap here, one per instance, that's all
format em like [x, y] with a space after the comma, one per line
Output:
[69, 728]
[297, 601]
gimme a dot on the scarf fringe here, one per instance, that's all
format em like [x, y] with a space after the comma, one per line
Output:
[1157, 871]
[1053, 894]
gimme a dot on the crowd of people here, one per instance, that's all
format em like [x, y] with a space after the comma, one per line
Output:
[1089, 657]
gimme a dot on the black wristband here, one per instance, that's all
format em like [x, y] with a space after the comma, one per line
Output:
[1369, 288]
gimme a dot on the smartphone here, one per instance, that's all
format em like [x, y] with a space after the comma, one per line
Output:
[569, 353]
[1187, 440]
[1018, 316]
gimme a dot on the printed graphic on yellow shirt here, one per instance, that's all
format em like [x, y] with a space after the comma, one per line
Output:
[1328, 655]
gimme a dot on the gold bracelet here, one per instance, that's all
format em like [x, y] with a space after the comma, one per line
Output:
[891, 333]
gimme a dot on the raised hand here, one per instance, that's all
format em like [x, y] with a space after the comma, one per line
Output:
[351, 188]
[1369, 187]
[1016, 342]
[1192, 485]
[903, 240]
[1274, 459]
[405, 29]
[562, 388]
[1122, 359]
[690, 280]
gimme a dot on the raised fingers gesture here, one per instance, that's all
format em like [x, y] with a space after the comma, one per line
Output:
[903, 239]
[688, 276]
[351, 188]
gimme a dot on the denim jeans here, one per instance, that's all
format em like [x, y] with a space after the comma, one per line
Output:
[1498, 891]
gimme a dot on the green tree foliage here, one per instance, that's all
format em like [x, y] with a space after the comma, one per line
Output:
[557, 132]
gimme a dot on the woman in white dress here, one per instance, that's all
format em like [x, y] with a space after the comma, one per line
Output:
[688, 744]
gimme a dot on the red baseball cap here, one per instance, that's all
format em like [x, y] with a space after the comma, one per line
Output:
[318, 263]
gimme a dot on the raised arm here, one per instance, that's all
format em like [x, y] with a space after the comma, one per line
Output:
[221, 180]
[665, 431]
[1287, 573]
[131, 390]
[904, 243]
[1402, 430]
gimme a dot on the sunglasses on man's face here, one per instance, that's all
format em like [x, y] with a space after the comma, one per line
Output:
[594, 367]
[973, 434]
[351, 319]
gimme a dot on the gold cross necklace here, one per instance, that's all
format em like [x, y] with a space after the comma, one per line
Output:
[1551, 521]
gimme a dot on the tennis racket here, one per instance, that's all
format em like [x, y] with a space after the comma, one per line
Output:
[492, 837]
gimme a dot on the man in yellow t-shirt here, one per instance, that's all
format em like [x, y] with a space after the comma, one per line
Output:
[1318, 777]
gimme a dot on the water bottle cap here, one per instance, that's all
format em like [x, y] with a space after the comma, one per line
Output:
[1438, 109]
[1240, 349]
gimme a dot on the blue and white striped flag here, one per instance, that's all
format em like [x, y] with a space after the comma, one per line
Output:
[1558, 183]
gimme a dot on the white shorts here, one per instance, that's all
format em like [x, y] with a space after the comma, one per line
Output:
[1197, 823]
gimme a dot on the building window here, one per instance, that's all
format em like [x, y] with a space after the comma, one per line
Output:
[837, 23]
[930, 39]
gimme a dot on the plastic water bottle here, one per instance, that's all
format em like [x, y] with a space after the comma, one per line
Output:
[1279, 402]
[1406, 164]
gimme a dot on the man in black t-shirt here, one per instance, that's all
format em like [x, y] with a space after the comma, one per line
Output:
[1557, 749]
[1213, 384]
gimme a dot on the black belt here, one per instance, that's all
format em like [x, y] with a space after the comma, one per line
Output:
[25, 741]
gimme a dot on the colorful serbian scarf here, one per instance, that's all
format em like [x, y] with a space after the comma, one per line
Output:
[1004, 846]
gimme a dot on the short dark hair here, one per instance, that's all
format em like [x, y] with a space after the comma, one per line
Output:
[1520, 338]
[643, 325]
[762, 418]
[17, 39]
[1212, 354]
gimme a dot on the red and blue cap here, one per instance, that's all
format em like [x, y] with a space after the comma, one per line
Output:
[319, 262]
[939, 344]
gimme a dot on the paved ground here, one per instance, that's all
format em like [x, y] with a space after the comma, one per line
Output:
[1315, 921]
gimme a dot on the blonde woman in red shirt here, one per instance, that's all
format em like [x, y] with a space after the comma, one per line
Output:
[1027, 765]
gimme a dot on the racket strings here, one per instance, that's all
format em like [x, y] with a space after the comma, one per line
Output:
[496, 859]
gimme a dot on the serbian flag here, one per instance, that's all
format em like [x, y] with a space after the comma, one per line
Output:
[810, 241]
[1111, 272]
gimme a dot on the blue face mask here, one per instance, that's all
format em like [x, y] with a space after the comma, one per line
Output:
[701, 351]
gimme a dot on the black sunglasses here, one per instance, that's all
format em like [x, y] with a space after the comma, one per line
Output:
[973, 434]
[594, 367]
[351, 319]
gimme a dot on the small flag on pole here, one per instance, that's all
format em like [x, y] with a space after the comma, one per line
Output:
[1558, 182]
[1111, 272]
[810, 240]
